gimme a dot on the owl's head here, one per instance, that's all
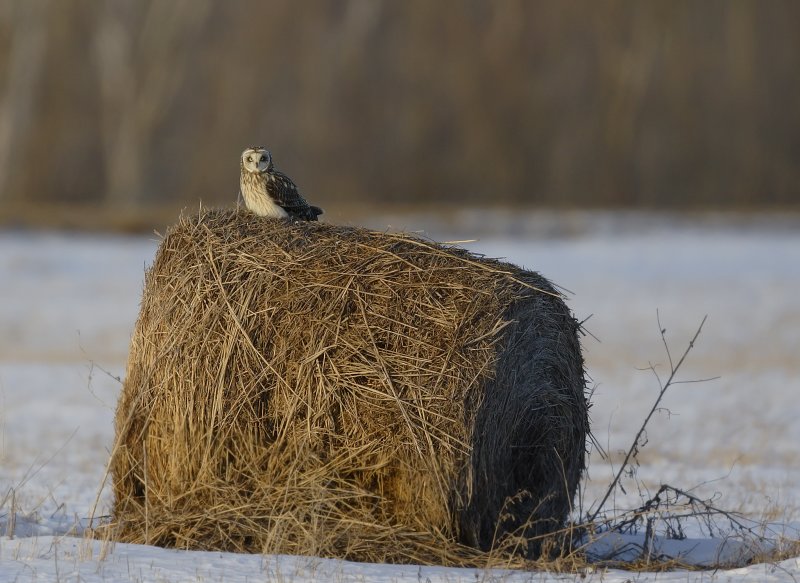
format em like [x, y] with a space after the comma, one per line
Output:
[256, 159]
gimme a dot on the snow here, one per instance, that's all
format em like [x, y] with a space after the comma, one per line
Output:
[69, 303]
[51, 558]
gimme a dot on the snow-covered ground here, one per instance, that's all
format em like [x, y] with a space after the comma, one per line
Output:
[69, 303]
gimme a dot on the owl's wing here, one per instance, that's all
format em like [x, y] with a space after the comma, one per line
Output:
[283, 191]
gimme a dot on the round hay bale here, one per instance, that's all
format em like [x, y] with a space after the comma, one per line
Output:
[331, 391]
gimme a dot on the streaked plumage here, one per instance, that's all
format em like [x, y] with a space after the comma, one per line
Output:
[270, 193]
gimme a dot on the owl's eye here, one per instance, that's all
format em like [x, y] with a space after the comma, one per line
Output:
[249, 158]
[263, 158]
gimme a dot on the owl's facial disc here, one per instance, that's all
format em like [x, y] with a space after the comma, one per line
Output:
[263, 160]
[256, 160]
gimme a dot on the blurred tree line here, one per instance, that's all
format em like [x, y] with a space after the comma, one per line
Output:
[137, 103]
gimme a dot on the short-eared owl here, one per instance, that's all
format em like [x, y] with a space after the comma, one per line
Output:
[270, 193]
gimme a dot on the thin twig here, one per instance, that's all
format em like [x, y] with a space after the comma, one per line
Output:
[663, 332]
[635, 445]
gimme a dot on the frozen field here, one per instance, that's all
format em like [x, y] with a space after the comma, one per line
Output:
[69, 303]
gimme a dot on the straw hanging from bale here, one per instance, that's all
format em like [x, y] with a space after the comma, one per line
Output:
[320, 390]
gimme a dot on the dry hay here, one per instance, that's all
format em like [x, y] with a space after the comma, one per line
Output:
[331, 391]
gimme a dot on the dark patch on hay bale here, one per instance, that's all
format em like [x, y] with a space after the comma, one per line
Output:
[322, 390]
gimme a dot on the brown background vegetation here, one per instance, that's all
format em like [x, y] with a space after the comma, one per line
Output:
[137, 104]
